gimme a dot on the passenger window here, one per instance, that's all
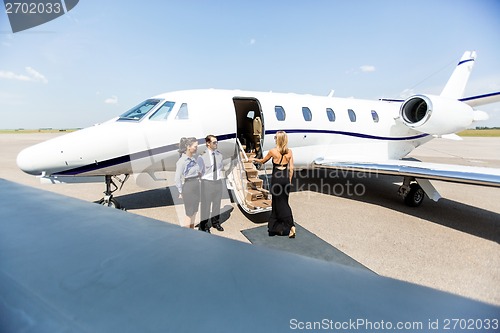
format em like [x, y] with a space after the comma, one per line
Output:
[163, 112]
[183, 112]
[280, 113]
[352, 115]
[307, 114]
[330, 114]
[375, 116]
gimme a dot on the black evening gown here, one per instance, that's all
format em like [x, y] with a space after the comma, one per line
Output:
[281, 219]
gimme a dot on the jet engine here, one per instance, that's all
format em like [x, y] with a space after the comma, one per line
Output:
[436, 115]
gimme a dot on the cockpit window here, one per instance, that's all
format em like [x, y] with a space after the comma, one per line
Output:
[139, 111]
[183, 112]
[163, 111]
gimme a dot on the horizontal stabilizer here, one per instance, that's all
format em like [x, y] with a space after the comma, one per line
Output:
[451, 136]
[482, 99]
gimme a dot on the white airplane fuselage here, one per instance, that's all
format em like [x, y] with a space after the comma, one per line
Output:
[150, 144]
[323, 131]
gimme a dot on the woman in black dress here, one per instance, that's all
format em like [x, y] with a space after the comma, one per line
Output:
[281, 220]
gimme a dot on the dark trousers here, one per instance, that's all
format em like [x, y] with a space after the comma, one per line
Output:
[211, 197]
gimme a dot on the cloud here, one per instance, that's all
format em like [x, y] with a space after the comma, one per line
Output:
[251, 42]
[360, 69]
[111, 100]
[36, 76]
[32, 76]
[13, 76]
[367, 68]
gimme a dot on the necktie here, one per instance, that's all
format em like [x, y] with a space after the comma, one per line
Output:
[215, 167]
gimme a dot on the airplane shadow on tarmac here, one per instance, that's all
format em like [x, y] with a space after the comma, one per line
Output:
[378, 190]
[160, 197]
[381, 190]
[163, 197]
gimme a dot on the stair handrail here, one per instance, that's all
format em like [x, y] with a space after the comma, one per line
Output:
[239, 163]
[265, 166]
[241, 149]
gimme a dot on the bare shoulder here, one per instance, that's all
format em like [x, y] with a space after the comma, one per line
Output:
[273, 151]
[271, 154]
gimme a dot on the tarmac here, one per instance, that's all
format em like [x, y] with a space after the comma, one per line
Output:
[451, 245]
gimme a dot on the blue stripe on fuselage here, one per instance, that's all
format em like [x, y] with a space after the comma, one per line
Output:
[223, 137]
[357, 135]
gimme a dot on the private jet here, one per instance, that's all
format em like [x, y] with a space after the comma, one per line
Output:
[325, 132]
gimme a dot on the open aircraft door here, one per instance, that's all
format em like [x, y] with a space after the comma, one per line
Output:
[249, 189]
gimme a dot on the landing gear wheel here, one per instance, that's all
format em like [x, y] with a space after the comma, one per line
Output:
[111, 187]
[415, 196]
[111, 202]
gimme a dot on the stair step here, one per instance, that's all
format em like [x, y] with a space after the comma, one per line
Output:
[262, 203]
[252, 173]
[248, 165]
[252, 195]
[252, 183]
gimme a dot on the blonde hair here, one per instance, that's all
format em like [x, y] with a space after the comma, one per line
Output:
[282, 142]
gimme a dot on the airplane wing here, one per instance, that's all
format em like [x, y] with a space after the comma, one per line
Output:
[420, 170]
[71, 266]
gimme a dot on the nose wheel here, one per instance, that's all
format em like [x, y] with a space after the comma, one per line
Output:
[111, 187]
[109, 202]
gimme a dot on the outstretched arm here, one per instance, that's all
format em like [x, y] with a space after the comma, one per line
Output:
[262, 160]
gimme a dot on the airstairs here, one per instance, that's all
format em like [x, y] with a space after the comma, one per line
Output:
[247, 186]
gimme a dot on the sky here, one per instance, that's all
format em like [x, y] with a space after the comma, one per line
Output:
[103, 57]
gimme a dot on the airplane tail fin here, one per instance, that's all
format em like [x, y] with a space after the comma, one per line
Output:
[455, 86]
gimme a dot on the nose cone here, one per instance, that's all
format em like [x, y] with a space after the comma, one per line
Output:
[29, 162]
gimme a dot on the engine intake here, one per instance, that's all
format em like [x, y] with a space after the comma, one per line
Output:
[435, 114]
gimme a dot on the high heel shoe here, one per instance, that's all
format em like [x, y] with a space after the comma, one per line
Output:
[292, 233]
